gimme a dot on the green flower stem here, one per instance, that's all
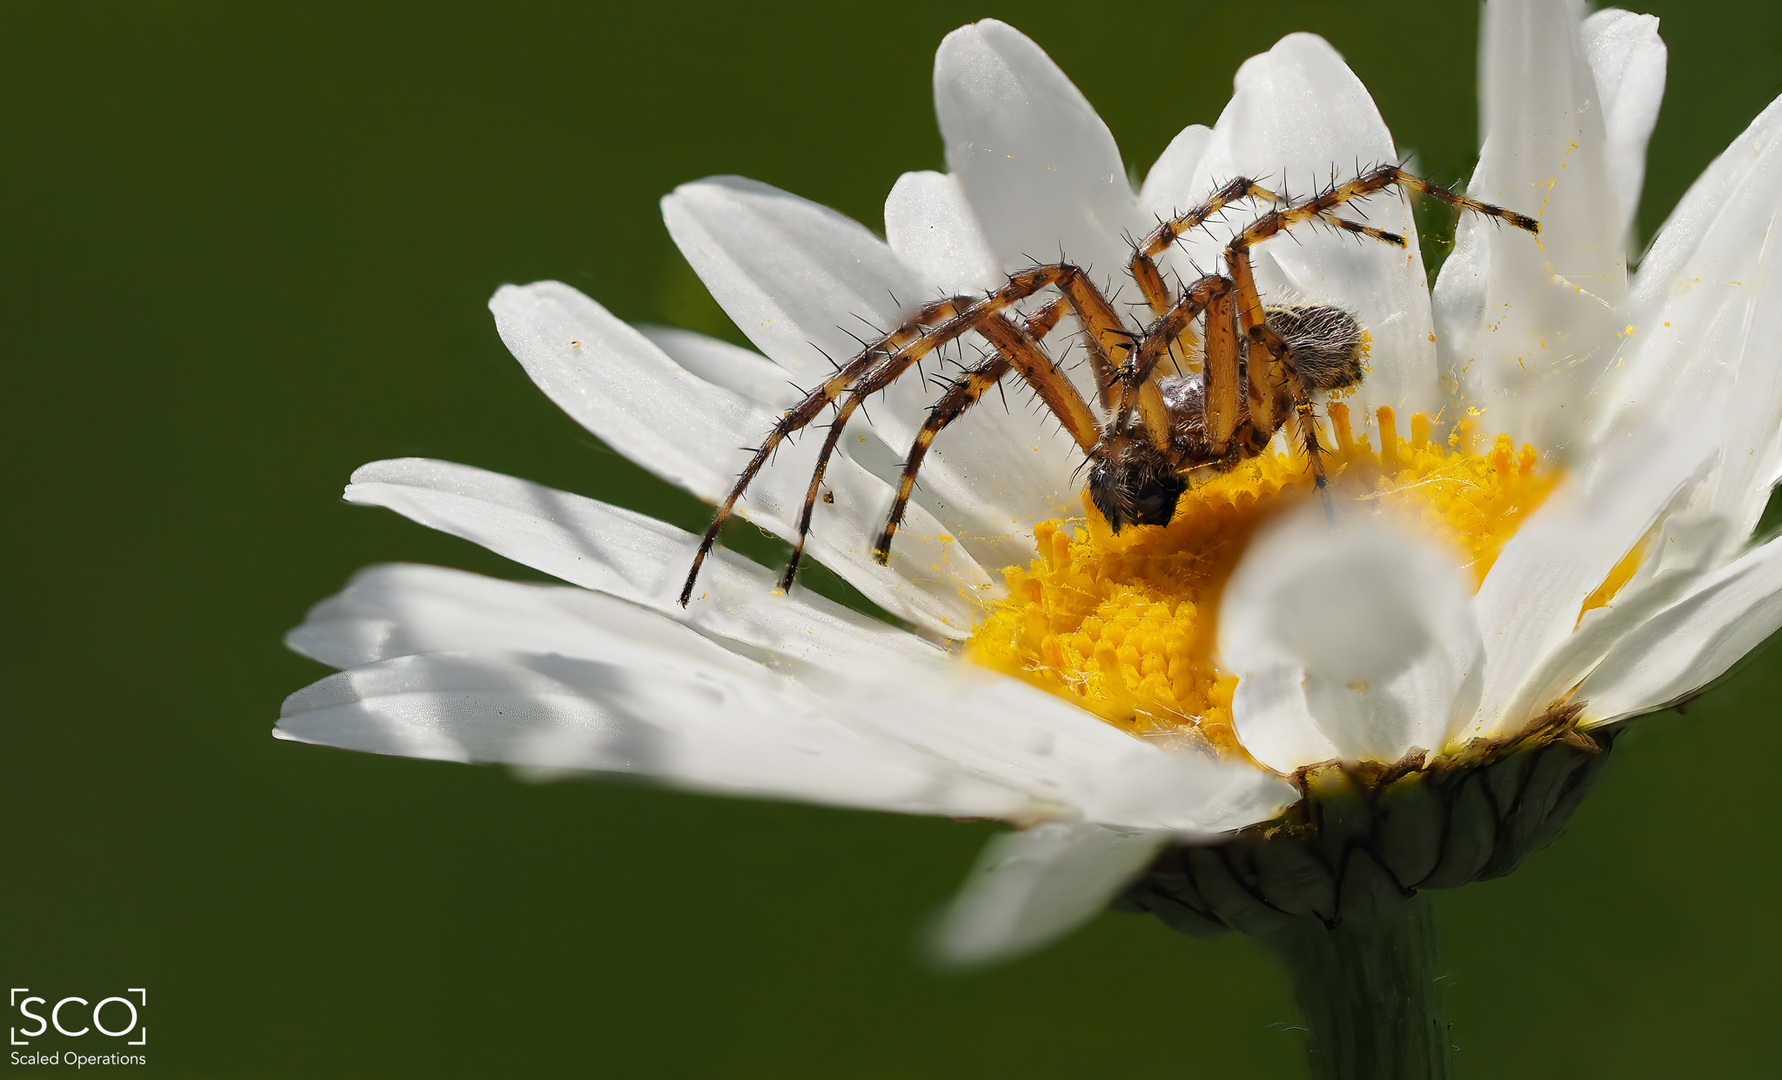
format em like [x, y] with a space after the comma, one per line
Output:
[1368, 994]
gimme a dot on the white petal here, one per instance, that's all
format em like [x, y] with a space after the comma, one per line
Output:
[625, 390]
[1692, 643]
[398, 610]
[684, 722]
[1039, 167]
[1627, 61]
[1355, 643]
[1528, 323]
[1558, 672]
[1689, 439]
[932, 229]
[1022, 737]
[1031, 888]
[1706, 353]
[720, 363]
[1530, 602]
[1169, 186]
[639, 559]
[1297, 119]
[1690, 222]
[798, 278]
[807, 284]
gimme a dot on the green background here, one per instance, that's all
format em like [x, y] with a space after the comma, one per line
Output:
[246, 248]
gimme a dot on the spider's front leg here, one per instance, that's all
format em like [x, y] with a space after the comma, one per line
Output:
[1016, 348]
[919, 332]
[1104, 334]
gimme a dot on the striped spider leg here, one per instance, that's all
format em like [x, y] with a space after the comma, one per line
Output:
[934, 325]
[1258, 373]
[1159, 426]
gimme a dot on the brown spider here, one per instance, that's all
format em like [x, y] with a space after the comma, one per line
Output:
[1159, 429]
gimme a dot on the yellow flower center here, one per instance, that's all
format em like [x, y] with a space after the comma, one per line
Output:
[1124, 625]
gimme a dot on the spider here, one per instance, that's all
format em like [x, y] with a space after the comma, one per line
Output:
[1158, 429]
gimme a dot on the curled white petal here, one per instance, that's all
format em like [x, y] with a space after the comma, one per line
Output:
[1705, 355]
[1357, 642]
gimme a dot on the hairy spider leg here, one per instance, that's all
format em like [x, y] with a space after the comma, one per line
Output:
[1016, 348]
[1209, 296]
[1275, 382]
[1079, 296]
[1143, 266]
[940, 313]
[934, 325]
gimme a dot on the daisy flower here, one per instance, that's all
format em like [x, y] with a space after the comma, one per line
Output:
[1545, 489]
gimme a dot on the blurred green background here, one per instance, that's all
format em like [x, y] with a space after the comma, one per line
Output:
[247, 247]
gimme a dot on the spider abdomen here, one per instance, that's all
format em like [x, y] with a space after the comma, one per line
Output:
[1328, 344]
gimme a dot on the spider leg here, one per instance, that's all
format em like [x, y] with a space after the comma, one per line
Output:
[1140, 390]
[1276, 389]
[1105, 333]
[1017, 348]
[938, 315]
[1224, 377]
[1143, 266]
[1042, 375]
[1368, 183]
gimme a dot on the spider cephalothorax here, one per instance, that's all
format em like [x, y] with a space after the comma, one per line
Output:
[1137, 481]
[1158, 425]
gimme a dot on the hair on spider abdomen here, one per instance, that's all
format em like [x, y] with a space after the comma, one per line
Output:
[1327, 343]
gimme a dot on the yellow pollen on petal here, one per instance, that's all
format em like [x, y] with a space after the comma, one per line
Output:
[1125, 625]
